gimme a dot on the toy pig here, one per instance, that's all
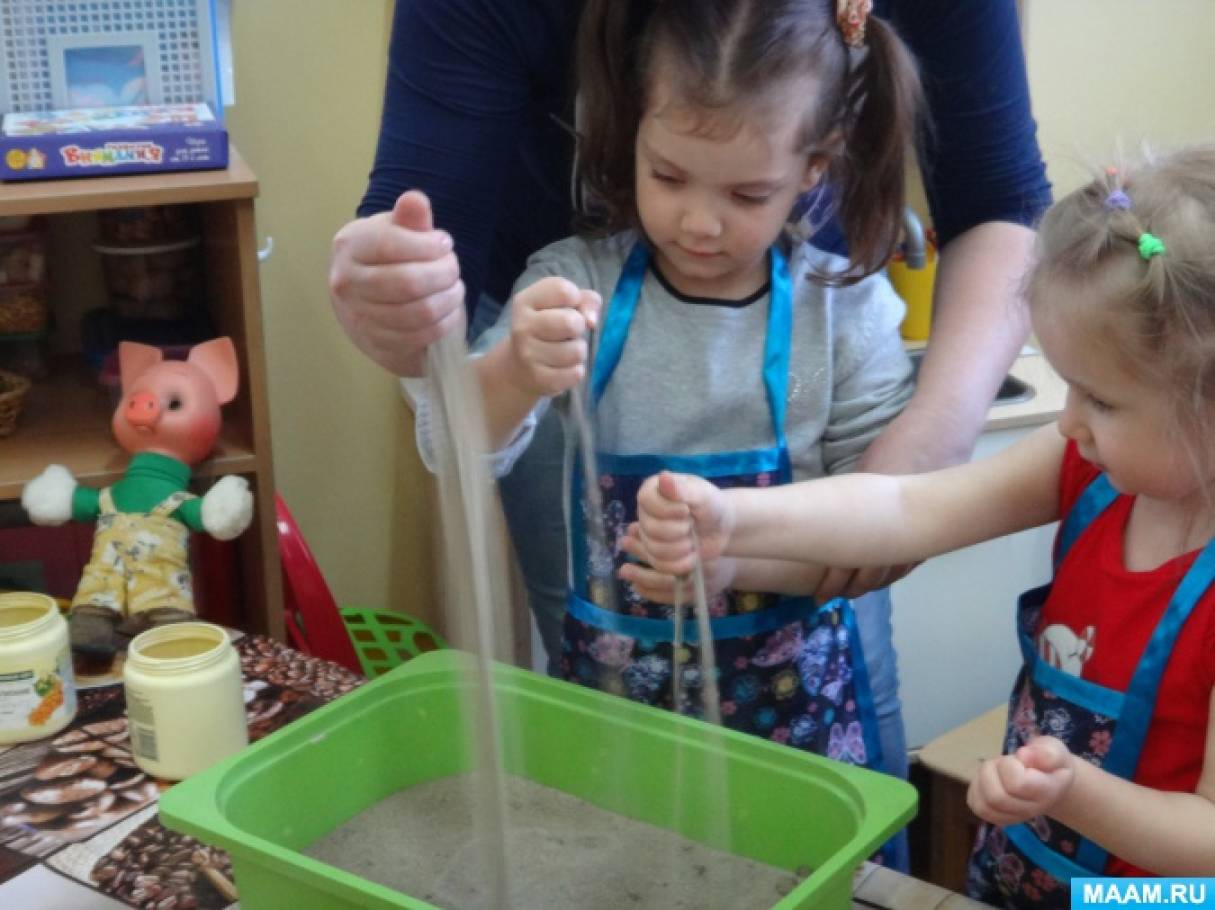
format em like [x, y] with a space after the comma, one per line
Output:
[168, 419]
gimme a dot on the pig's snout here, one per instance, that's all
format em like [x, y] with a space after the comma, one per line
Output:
[142, 409]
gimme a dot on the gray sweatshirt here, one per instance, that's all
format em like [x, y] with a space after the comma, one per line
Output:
[690, 378]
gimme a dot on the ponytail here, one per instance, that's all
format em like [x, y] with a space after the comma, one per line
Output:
[879, 124]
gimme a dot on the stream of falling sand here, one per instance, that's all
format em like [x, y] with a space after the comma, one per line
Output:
[465, 495]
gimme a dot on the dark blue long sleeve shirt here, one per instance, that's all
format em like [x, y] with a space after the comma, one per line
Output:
[478, 90]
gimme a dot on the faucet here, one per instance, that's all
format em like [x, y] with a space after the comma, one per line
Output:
[914, 247]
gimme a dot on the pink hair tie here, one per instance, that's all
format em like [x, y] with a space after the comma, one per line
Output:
[851, 16]
[1117, 201]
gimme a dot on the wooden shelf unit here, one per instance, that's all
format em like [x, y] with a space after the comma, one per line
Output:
[66, 418]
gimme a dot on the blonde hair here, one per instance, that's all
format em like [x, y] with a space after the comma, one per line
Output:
[1155, 308]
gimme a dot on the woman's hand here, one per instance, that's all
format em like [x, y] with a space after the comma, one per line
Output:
[1030, 782]
[549, 324]
[395, 285]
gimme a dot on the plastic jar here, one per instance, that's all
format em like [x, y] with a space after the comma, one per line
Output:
[184, 699]
[37, 688]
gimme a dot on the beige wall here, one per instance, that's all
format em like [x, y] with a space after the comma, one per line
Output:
[309, 78]
[1104, 72]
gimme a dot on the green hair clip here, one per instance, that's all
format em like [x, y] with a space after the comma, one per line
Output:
[1150, 245]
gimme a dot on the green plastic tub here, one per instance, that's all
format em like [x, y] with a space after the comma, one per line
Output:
[267, 803]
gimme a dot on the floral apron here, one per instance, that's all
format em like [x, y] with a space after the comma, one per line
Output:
[789, 670]
[1031, 864]
[138, 559]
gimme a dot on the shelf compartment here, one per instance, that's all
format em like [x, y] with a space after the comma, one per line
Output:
[66, 420]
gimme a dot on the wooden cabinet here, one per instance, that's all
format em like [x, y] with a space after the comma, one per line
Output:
[66, 418]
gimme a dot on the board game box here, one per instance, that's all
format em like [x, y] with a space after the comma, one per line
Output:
[107, 141]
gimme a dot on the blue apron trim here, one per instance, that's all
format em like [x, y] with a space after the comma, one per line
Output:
[1096, 698]
[776, 346]
[1123, 756]
[741, 625]
[617, 319]
[711, 464]
[1055, 863]
[1098, 496]
[865, 705]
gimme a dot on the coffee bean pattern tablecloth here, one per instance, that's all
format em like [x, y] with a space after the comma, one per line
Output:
[77, 815]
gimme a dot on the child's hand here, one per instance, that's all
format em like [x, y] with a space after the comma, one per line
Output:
[682, 518]
[548, 335]
[1030, 782]
[659, 586]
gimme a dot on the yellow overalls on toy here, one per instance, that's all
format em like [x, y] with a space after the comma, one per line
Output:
[138, 560]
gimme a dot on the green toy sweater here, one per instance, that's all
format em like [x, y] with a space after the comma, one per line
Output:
[148, 481]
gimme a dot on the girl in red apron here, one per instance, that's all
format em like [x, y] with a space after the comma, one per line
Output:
[1111, 724]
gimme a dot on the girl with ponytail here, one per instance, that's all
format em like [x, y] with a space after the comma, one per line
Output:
[722, 347]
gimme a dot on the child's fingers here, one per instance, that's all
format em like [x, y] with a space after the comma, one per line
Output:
[657, 505]
[1045, 753]
[554, 326]
[672, 534]
[590, 305]
[655, 576]
[550, 294]
[560, 355]
[632, 544]
[650, 584]
[683, 488]
[989, 796]
[833, 584]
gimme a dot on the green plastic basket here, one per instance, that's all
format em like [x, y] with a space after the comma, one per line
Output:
[383, 640]
[269, 802]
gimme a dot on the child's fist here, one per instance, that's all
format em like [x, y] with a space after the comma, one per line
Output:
[549, 324]
[1030, 782]
[681, 518]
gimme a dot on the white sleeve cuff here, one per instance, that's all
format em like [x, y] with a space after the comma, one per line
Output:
[431, 433]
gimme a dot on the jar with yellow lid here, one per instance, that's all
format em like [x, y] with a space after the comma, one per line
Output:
[37, 688]
[185, 702]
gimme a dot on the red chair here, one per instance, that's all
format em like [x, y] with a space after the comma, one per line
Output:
[314, 623]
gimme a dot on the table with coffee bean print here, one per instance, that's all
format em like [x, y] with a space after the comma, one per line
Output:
[78, 823]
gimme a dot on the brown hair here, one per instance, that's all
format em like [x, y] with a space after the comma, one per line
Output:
[725, 51]
[1158, 312]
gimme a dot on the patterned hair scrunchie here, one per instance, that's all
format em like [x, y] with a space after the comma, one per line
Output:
[851, 17]
[1150, 245]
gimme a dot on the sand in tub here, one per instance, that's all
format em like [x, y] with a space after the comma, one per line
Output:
[561, 852]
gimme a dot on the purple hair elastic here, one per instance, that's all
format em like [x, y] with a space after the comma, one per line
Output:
[1117, 201]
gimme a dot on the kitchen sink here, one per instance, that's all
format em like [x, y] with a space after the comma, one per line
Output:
[1012, 390]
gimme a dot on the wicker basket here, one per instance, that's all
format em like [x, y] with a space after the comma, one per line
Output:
[12, 396]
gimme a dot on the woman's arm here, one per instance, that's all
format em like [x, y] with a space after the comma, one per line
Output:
[986, 186]
[979, 324]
